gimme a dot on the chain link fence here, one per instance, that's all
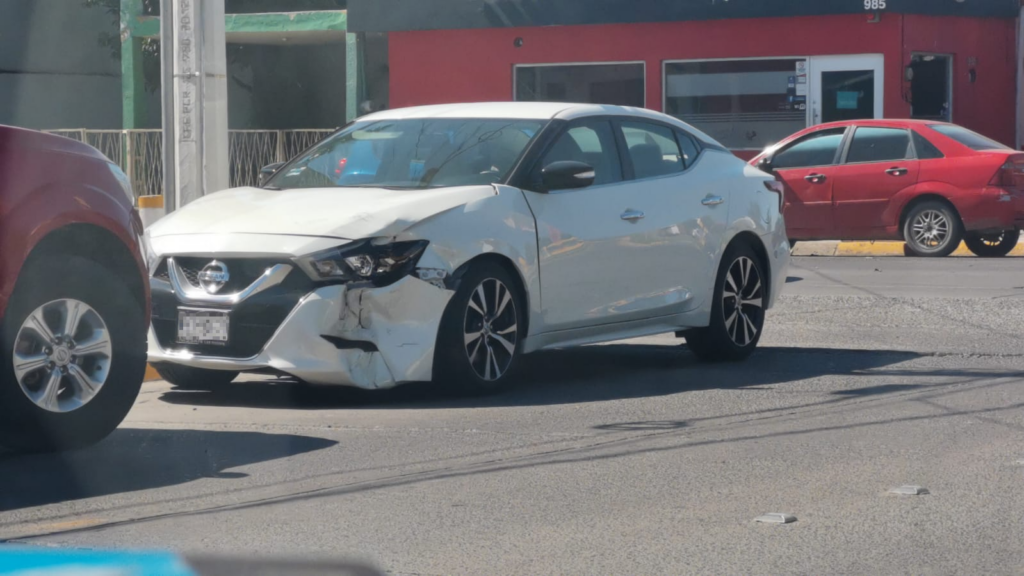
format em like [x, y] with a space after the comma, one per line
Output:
[140, 152]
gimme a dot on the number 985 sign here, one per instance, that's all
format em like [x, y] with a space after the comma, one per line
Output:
[874, 4]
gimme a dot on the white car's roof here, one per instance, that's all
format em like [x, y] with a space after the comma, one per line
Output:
[514, 110]
[531, 111]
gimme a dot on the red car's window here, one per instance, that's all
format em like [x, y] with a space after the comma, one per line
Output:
[925, 149]
[818, 149]
[879, 145]
[968, 138]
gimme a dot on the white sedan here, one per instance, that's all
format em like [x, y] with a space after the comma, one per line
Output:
[444, 242]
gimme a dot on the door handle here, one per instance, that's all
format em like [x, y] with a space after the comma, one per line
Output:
[815, 178]
[712, 201]
[632, 215]
[896, 171]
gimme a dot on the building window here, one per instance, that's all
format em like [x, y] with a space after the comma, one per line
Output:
[744, 104]
[620, 84]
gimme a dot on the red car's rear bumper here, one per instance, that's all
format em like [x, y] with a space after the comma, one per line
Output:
[992, 209]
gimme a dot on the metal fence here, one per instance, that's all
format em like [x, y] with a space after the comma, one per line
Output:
[139, 152]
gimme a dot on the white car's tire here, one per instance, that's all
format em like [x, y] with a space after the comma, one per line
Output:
[738, 310]
[481, 335]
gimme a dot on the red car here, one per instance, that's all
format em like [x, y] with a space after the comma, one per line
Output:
[74, 293]
[927, 183]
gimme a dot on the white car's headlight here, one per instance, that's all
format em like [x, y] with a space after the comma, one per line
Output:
[381, 264]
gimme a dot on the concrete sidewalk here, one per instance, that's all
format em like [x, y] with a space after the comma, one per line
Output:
[876, 248]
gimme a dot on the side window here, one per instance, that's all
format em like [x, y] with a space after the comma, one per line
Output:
[591, 142]
[879, 145]
[652, 148]
[688, 146]
[817, 149]
[925, 149]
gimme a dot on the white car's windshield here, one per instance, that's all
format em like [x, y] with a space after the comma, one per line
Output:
[417, 153]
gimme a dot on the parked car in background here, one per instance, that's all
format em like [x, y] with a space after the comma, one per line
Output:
[445, 242]
[74, 301]
[930, 184]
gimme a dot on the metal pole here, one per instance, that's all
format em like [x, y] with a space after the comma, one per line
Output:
[168, 135]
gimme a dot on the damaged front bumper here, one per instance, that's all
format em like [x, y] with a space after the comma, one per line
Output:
[350, 334]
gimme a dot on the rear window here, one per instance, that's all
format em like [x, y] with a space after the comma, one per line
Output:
[968, 138]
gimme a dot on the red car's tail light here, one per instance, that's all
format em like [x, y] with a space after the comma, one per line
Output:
[777, 187]
[1010, 174]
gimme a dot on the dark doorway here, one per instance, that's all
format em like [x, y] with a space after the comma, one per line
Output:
[930, 93]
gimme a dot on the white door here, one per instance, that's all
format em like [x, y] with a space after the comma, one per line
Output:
[845, 87]
[619, 250]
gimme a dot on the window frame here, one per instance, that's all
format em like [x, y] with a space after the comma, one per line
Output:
[664, 82]
[680, 133]
[525, 174]
[516, 67]
[836, 159]
[848, 145]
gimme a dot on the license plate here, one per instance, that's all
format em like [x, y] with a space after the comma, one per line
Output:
[202, 326]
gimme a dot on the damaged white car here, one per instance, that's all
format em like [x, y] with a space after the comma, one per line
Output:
[444, 242]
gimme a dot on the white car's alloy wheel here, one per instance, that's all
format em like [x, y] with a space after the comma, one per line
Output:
[743, 301]
[491, 329]
[62, 355]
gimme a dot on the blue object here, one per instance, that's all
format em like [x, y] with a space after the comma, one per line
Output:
[67, 562]
[847, 100]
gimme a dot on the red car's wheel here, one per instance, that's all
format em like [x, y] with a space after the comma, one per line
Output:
[992, 245]
[932, 229]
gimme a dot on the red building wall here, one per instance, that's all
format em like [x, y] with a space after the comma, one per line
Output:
[445, 66]
[989, 105]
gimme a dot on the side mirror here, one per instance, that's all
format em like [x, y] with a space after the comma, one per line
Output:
[269, 170]
[765, 164]
[566, 175]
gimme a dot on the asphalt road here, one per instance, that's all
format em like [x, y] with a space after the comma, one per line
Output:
[628, 458]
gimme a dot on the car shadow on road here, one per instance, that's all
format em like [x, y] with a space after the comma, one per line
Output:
[576, 375]
[140, 459]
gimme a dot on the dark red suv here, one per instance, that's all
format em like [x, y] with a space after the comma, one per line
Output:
[74, 299]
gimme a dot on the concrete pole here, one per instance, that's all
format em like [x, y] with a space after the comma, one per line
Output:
[198, 97]
[168, 135]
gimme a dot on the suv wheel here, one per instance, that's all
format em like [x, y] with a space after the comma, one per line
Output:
[72, 356]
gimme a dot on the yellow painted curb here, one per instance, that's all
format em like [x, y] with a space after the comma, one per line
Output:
[887, 248]
[151, 374]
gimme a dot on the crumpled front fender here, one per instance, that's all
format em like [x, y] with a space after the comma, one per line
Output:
[402, 320]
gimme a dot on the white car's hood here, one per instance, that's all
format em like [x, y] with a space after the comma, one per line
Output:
[347, 213]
